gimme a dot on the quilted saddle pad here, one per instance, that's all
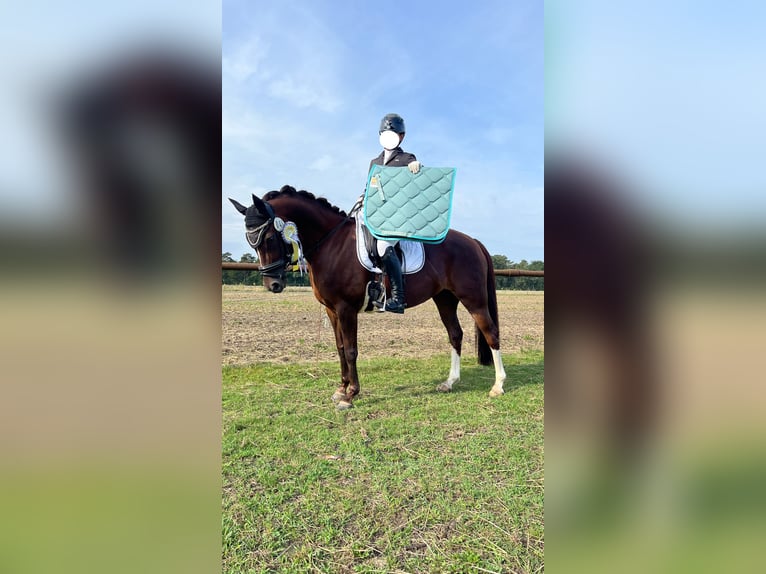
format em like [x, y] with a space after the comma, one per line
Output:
[399, 204]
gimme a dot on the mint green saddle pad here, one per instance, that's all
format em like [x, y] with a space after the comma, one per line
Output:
[399, 204]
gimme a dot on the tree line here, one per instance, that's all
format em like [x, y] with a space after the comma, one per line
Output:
[244, 277]
[519, 283]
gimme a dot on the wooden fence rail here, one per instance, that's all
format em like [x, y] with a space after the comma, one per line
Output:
[519, 273]
[504, 272]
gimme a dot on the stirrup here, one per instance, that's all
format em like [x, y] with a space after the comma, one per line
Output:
[374, 297]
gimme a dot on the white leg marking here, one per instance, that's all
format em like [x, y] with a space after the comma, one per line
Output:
[454, 374]
[497, 388]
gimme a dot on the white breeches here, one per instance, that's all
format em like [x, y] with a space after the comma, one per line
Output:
[383, 245]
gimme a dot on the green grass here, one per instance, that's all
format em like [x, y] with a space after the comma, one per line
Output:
[410, 480]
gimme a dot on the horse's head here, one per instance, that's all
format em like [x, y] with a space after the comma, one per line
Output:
[263, 232]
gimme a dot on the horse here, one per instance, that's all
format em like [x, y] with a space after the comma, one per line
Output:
[458, 270]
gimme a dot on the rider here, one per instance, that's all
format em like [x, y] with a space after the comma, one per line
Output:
[391, 135]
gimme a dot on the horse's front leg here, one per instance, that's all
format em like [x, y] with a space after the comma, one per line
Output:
[447, 304]
[340, 392]
[347, 323]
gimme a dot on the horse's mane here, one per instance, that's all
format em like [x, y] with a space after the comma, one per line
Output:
[290, 191]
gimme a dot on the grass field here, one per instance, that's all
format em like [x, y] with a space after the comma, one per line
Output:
[410, 480]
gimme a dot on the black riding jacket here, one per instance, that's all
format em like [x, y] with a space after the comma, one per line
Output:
[400, 158]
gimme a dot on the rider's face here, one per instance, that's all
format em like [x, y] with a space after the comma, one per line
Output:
[390, 139]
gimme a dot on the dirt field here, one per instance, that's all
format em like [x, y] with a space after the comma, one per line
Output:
[293, 327]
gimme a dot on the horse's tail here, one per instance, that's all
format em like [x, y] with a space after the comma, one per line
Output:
[483, 351]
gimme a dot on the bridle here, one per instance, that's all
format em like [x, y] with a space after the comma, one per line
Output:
[277, 268]
[255, 237]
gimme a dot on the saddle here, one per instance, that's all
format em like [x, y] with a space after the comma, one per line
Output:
[411, 253]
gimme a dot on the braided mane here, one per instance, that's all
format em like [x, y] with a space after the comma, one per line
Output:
[288, 190]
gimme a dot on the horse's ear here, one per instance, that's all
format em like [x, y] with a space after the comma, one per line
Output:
[241, 208]
[260, 205]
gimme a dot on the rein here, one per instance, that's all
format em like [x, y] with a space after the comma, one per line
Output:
[329, 234]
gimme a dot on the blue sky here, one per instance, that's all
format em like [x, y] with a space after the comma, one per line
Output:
[670, 95]
[305, 84]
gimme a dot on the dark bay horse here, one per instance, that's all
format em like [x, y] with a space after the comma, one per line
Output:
[459, 270]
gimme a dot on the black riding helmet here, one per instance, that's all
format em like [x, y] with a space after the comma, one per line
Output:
[393, 122]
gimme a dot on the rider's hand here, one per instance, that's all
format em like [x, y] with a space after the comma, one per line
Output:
[414, 166]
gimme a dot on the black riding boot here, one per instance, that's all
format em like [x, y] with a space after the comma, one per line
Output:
[394, 271]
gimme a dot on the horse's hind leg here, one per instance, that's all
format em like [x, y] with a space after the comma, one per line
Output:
[340, 393]
[489, 329]
[447, 303]
[497, 388]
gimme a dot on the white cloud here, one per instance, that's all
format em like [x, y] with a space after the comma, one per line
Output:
[322, 163]
[304, 93]
[278, 67]
[244, 61]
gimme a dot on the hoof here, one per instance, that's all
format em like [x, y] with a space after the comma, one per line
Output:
[338, 396]
[344, 406]
[493, 393]
[444, 388]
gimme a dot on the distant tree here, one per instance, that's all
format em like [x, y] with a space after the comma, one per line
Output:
[501, 262]
[228, 276]
[240, 276]
[247, 277]
[530, 283]
[518, 283]
[298, 280]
